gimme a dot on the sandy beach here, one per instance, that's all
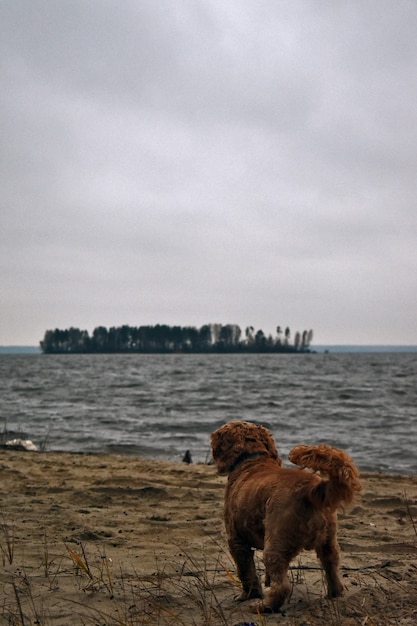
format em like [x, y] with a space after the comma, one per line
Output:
[98, 539]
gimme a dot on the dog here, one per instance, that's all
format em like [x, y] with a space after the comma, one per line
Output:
[280, 510]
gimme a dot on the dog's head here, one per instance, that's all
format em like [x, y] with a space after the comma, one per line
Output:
[235, 442]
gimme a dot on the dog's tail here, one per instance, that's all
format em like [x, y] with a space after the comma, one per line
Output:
[343, 475]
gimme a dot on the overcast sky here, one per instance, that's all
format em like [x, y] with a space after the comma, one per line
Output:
[196, 161]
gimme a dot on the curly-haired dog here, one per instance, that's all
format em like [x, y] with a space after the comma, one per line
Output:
[280, 510]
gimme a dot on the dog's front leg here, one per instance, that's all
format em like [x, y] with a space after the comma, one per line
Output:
[243, 556]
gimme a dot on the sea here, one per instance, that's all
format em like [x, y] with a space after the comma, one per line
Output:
[160, 406]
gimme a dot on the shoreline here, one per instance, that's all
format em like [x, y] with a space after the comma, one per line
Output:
[151, 459]
[316, 349]
[150, 533]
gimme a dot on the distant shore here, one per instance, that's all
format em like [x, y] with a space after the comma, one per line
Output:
[313, 349]
[20, 350]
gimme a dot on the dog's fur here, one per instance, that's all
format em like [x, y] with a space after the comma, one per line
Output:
[280, 510]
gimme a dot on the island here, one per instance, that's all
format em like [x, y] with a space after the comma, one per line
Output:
[165, 339]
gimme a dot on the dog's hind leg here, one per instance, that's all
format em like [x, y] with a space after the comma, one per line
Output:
[243, 556]
[328, 553]
[279, 588]
[277, 560]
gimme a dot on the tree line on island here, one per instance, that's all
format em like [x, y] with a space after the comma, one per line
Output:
[164, 339]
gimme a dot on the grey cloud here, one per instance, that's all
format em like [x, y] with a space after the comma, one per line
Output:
[192, 162]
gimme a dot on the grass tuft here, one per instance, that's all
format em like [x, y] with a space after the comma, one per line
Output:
[7, 542]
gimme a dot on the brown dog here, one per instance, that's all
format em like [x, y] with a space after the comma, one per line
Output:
[280, 510]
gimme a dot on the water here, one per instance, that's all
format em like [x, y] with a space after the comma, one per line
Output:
[159, 406]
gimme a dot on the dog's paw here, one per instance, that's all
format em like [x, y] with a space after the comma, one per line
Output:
[335, 593]
[335, 589]
[260, 608]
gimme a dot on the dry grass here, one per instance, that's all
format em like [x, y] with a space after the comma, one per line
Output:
[81, 583]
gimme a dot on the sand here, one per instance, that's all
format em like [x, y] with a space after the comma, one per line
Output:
[97, 539]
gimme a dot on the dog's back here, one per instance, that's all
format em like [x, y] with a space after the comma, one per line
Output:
[261, 489]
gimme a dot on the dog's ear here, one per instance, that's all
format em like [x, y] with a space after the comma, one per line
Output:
[265, 438]
[226, 448]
